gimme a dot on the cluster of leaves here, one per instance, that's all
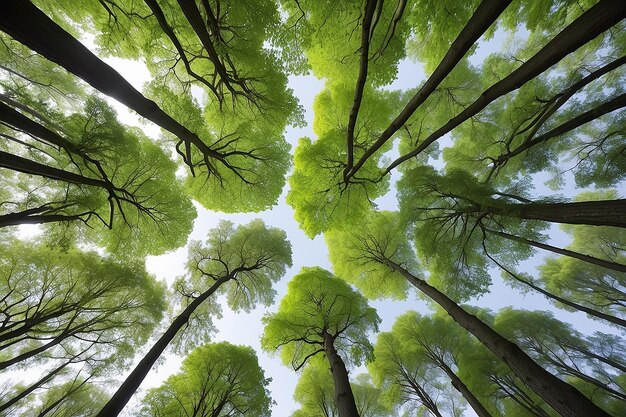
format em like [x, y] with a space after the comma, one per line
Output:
[548, 105]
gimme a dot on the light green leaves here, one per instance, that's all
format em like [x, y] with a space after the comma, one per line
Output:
[216, 380]
[318, 303]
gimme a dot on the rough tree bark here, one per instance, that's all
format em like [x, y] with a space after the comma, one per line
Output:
[123, 394]
[564, 398]
[346, 406]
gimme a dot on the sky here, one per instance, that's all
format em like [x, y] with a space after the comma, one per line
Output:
[246, 328]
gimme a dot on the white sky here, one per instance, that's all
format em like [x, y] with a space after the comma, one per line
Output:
[242, 328]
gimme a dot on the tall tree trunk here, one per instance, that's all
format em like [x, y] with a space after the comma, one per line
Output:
[609, 106]
[564, 398]
[596, 213]
[15, 219]
[460, 386]
[24, 22]
[579, 307]
[65, 395]
[426, 399]
[123, 394]
[346, 406]
[586, 27]
[366, 32]
[576, 255]
[602, 359]
[484, 16]
[17, 163]
[32, 387]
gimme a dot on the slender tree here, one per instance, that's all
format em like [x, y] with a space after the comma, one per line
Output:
[241, 263]
[561, 349]
[373, 246]
[315, 393]
[86, 169]
[241, 153]
[321, 314]
[422, 351]
[64, 311]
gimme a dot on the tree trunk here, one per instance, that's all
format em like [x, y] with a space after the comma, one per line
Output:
[586, 27]
[33, 387]
[602, 359]
[564, 398]
[19, 164]
[596, 213]
[47, 38]
[484, 16]
[576, 255]
[123, 394]
[609, 106]
[579, 307]
[460, 386]
[346, 406]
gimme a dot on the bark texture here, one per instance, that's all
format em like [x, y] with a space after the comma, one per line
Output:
[346, 406]
[565, 399]
[123, 394]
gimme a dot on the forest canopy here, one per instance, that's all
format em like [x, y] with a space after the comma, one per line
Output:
[458, 159]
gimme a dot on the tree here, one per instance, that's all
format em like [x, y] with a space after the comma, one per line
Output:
[315, 393]
[499, 389]
[86, 169]
[241, 153]
[462, 226]
[416, 134]
[563, 350]
[218, 379]
[75, 398]
[421, 354]
[372, 246]
[321, 314]
[71, 313]
[241, 263]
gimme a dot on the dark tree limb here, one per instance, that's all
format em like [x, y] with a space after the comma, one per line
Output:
[609, 106]
[588, 26]
[366, 28]
[47, 38]
[554, 297]
[484, 16]
[566, 252]
[561, 396]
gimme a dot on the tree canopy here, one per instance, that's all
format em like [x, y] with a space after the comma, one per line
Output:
[217, 379]
[458, 157]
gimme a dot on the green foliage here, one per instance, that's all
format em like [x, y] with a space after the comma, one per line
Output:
[318, 303]
[318, 194]
[436, 24]
[75, 398]
[410, 361]
[77, 294]
[139, 206]
[358, 255]
[216, 380]
[315, 393]
[73, 308]
[234, 98]
[557, 346]
[453, 218]
[254, 256]
[583, 283]
[311, 30]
